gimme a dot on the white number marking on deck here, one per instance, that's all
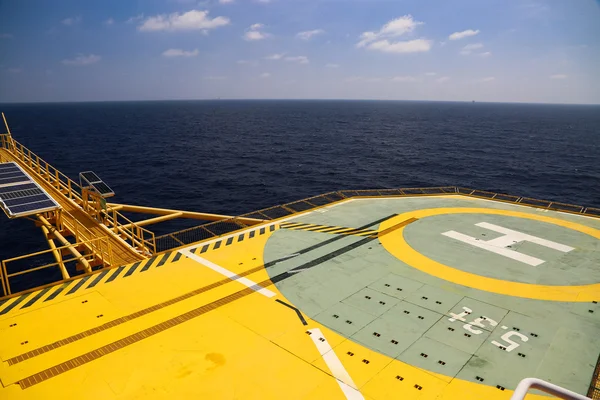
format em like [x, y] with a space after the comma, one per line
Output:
[479, 323]
[510, 237]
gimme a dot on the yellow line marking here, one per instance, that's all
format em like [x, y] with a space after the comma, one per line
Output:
[397, 245]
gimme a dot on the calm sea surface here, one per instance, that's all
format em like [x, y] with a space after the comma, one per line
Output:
[237, 156]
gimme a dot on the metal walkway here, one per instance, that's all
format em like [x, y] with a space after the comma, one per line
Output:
[76, 220]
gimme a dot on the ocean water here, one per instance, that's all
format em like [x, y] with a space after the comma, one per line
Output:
[233, 157]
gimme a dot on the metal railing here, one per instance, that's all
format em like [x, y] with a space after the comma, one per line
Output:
[136, 236]
[214, 229]
[101, 257]
[534, 383]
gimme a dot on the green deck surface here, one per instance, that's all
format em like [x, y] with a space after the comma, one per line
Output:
[370, 296]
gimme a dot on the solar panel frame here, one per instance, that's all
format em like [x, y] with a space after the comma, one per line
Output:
[17, 179]
[21, 196]
[90, 177]
[15, 188]
[90, 180]
[103, 189]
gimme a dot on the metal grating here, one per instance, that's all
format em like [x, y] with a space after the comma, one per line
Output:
[433, 190]
[481, 193]
[334, 196]
[535, 202]
[413, 191]
[320, 200]
[276, 212]
[594, 390]
[223, 227]
[349, 193]
[566, 207]
[300, 206]
[506, 197]
[196, 234]
[592, 211]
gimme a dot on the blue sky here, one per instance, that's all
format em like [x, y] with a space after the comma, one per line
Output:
[484, 50]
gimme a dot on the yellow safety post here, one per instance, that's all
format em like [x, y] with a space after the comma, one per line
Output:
[56, 253]
[65, 242]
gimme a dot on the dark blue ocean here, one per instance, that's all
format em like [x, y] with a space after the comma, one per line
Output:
[233, 157]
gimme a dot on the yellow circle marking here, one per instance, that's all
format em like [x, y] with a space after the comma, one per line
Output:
[395, 243]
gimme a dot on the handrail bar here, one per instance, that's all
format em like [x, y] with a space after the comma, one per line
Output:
[534, 383]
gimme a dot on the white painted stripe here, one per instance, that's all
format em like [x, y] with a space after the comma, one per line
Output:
[335, 366]
[515, 255]
[519, 237]
[225, 272]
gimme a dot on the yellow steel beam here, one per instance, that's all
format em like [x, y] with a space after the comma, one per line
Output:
[56, 253]
[6, 124]
[65, 242]
[154, 220]
[184, 214]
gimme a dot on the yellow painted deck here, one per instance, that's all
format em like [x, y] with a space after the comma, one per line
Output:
[209, 320]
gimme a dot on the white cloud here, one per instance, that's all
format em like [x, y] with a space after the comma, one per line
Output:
[404, 79]
[430, 73]
[486, 79]
[485, 54]
[137, 18]
[191, 20]
[215, 78]
[442, 79]
[263, 1]
[330, 65]
[363, 79]
[226, 1]
[463, 34]
[468, 49]
[306, 35]
[254, 33]
[265, 75]
[298, 59]
[248, 62]
[396, 27]
[109, 21]
[180, 53]
[558, 76]
[71, 21]
[14, 70]
[411, 46]
[82, 59]
[276, 56]
[5, 36]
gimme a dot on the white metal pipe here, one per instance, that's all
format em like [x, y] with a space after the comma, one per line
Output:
[534, 383]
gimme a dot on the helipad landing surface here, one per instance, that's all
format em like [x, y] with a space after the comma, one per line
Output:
[415, 297]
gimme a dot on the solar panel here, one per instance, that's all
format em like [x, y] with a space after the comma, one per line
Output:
[90, 177]
[20, 195]
[89, 180]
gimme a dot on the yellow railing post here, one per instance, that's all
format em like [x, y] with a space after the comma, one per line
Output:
[2, 274]
[6, 287]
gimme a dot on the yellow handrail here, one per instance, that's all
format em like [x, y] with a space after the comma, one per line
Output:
[104, 256]
[140, 237]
